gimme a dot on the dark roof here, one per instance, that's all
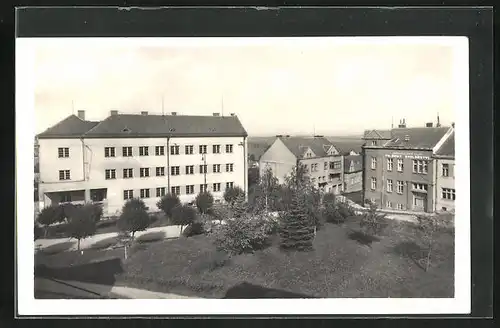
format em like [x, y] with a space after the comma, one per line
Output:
[377, 134]
[357, 160]
[133, 125]
[298, 145]
[345, 146]
[448, 147]
[419, 138]
[70, 127]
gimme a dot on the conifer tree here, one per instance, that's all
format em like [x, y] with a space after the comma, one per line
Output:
[297, 233]
[239, 207]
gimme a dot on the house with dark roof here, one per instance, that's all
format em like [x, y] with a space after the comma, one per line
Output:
[353, 173]
[399, 166]
[444, 160]
[141, 155]
[321, 158]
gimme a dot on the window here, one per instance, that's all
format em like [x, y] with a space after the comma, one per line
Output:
[189, 189]
[110, 174]
[143, 151]
[175, 190]
[144, 172]
[64, 175]
[401, 207]
[203, 149]
[216, 149]
[189, 149]
[65, 197]
[314, 167]
[374, 183]
[335, 165]
[109, 151]
[160, 192]
[229, 167]
[128, 173]
[306, 167]
[63, 152]
[374, 142]
[400, 186]
[190, 169]
[229, 185]
[160, 171]
[419, 186]
[160, 150]
[127, 151]
[389, 204]
[203, 169]
[389, 185]
[175, 170]
[447, 193]
[400, 165]
[325, 166]
[216, 168]
[144, 193]
[390, 164]
[374, 163]
[216, 187]
[446, 170]
[128, 194]
[420, 166]
[174, 150]
[229, 148]
[203, 188]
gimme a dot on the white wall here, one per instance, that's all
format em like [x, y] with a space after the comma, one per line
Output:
[50, 163]
[444, 182]
[279, 158]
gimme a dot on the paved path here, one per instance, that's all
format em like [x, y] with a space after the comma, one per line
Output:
[76, 289]
[169, 231]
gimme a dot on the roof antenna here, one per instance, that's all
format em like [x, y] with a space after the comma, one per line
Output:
[392, 122]
[162, 107]
[437, 123]
[72, 107]
[314, 130]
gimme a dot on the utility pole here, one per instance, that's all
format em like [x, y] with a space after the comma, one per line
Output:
[162, 106]
[204, 159]
[222, 105]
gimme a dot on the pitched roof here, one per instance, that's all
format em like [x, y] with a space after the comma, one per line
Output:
[419, 138]
[345, 146]
[133, 125]
[448, 147]
[298, 145]
[357, 161]
[70, 127]
[377, 134]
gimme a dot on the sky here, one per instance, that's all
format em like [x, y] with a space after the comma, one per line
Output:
[274, 88]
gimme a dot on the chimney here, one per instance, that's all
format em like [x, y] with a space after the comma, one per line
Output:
[174, 113]
[318, 136]
[144, 113]
[81, 115]
[113, 112]
[453, 125]
[233, 114]
[279, 135]
[407, 138]
[402, 124]
[216, 114]
[428, 125]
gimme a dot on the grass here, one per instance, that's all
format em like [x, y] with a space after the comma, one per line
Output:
[57, 248]
[356, 197]
[105, 243]
[337, 267]
[150, 237]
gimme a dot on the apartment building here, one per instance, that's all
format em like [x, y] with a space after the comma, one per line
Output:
[444, 160]
[322, 160]
[141, 156]
[353, 173]
[399, 166]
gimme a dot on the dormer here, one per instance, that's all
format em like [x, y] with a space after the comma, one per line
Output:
[308, 153]
[332, 151]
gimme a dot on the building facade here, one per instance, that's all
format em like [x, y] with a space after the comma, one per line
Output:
[322, 160]
[141, 156]
[353, 173]
[445, 176]
[399, 167]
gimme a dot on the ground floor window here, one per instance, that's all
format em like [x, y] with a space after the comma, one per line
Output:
[389, 204]
[144, 193]
[128, 194]
[447, 193]
[65, 197]
[160, 192]
[401, 207]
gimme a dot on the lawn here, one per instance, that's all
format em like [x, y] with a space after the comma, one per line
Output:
[337, 267]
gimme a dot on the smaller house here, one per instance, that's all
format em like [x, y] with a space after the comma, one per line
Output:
[353, 173]
[445, 176]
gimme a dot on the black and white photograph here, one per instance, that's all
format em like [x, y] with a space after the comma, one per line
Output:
[245, 170]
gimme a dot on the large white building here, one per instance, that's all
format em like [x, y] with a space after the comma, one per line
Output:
[324, 163]
[140, 156]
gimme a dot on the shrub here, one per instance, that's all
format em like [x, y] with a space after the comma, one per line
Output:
[238, 206]
[427, 227]
[37, 232]
[134, 217]
[329, 198]
[232, 194]
[297, 232]
[82, 222]
[241, 235]
[167, 203]
[219, 212]
[194, 229]
[372, 223]
[337, 212]
[204, 202]
[183, 215]
[50, 215]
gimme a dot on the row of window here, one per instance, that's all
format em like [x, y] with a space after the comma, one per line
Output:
[446, 193]
[176, 190]
[326, 165]
[399, 206]
[419, 166]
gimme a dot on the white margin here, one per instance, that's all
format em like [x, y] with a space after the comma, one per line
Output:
[25, 131]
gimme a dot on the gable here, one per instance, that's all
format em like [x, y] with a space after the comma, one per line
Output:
[332, 151]
[278, 152]
[308, 153]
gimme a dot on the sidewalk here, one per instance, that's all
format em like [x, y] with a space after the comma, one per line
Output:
[78, 289]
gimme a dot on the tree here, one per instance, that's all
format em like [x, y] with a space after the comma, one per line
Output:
[134, 217]
[296, 232]
[37, 232]
[204, 202]
[183, 215]
[50, 215]
[269, 186]
[231, 194]
[82, 222]
[239, 206]
[427, 226]
[372, 223]
[253, 176]
[167, 203]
